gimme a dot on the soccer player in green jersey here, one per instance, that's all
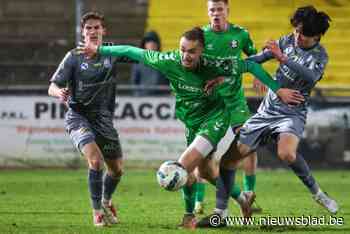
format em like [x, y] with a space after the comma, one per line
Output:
[225, 40]
[205, 116]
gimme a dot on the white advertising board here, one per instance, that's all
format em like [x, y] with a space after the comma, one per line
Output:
[32, 128]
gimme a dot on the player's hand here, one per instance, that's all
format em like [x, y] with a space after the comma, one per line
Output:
[89, 49]
[290, 97]
[210, 85]
[259, 87]
[276, 51]
[63, 95]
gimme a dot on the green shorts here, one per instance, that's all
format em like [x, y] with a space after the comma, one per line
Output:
[213, 129]
[239, 115]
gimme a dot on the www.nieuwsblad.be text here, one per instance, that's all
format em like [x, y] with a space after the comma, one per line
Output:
[216, 221]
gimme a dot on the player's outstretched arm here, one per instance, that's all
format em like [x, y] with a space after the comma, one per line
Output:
[263, 56]
[261, 74]
[288, 96]
[131, 52]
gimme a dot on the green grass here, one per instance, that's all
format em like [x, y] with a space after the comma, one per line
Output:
[56, 201]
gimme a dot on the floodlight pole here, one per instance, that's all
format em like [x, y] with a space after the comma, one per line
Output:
[79, 5]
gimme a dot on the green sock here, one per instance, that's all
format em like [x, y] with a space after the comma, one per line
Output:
[200, 192]
[235, 191]
[249, 182]
[189, 196]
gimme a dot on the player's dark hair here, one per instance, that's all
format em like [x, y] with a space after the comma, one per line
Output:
[195, 34]
[92, 15]
[313, 22]
[225, 1]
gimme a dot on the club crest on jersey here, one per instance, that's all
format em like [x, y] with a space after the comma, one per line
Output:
[289, 50]
[107, 63]
[234, 44]
[84, 66]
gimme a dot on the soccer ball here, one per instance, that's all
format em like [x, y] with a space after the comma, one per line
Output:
[171, 176]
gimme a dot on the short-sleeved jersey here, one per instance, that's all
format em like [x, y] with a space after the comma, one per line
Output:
[91, 81]
[193, 105]
[314, 59]
[229, 45]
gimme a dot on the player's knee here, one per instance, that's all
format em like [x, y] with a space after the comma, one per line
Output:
[244, 150]
[230, 159]
[116, 172]
[95, 160]
[286, 155]
[191, 179]
[96, 164]
[205, 174]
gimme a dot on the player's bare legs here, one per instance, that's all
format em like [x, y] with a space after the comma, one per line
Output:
[287, 151]
[225, 183]
[94, 159]
[193, 156]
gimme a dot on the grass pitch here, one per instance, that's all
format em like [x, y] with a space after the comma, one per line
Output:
[56, 201]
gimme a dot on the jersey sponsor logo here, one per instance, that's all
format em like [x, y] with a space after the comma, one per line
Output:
[84, 66]
[189, 88]
[234, 44]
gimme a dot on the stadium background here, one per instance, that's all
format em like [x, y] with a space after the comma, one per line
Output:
[35, 35]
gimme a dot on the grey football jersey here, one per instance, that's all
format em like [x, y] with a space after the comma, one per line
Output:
[301, 72]
[91, 81]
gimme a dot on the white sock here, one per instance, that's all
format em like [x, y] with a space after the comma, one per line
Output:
[97, 212]
[222, 213]
[319, 192]
[241, 199]
[106, 202]
[198, 203]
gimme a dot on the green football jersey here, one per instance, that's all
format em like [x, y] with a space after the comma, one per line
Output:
[229, 45]
[193, 105]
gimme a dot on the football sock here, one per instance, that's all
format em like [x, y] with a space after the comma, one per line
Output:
[95, 187]
[302, 170]
[223, 187]
[189, 197]
[235, 191]
[222, 213]
[249, 182]
[109, 185]
[200, 191]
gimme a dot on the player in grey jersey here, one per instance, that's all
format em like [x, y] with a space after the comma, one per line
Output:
[302, 62]
[87, 86]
